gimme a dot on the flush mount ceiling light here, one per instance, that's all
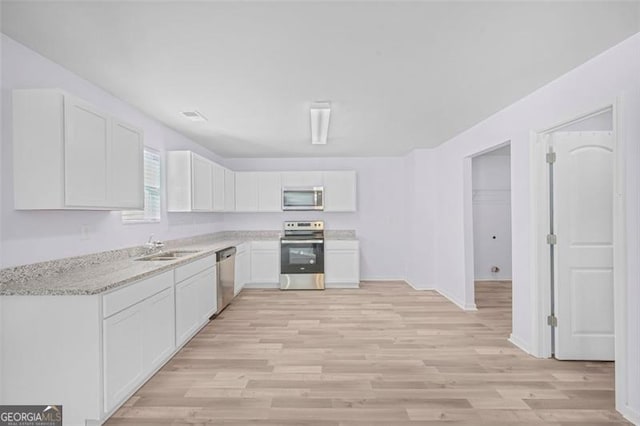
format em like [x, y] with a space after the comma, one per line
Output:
[320, 113]
[194, 115]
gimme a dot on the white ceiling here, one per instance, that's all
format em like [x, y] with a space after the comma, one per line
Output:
[399, 75]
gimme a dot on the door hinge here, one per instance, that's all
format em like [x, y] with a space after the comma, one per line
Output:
[552, 239]
[552, 320]
[551, 157]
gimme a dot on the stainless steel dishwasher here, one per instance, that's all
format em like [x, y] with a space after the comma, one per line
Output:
[225, 277]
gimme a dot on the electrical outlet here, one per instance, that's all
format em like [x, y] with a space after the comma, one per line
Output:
[84, 232]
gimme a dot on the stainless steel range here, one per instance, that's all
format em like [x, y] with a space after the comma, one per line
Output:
[302, 256]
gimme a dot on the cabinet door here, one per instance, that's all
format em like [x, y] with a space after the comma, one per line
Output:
[341, 266]
[340, 191]
[86, 144]
[195, 302]
[269, 192]
[186, 310]
[342, 262]
[201, 184]
[159, 328]
[219, 194]
[229, 190]
[126, 166]
[301, 179]
[265, 263]
[246, 192]
[242, 268]
[124, 367]
[208, 295]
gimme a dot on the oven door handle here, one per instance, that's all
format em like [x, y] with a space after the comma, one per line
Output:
[301, 241]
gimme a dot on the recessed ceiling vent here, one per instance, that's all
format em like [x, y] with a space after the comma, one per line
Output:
[194, 115]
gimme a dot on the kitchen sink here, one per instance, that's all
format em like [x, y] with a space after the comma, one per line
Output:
[168, 255]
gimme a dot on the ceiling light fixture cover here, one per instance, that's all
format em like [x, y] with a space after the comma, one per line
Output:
[320, 113]
[194, 115]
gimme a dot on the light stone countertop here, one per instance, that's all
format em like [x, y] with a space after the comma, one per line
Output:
[98, 273]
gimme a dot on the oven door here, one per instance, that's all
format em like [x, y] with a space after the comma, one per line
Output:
[301, 256]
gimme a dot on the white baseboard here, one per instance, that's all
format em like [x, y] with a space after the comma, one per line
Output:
[341, 285]
[519, 343]
[458, 303]
[630, 414]
[418, 288]
[261, 285]
[382, 279]
[277, 286]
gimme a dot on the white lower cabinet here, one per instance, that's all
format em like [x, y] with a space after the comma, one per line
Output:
[342, 263]
[265, 262]
[196, 299]
[123, 355]
[139, 337]
[159, 329]
[242, 267]
[100, 348]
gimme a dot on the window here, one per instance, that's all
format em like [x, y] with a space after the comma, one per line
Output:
[151, 212]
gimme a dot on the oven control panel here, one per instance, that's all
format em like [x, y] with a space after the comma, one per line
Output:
[317, 225]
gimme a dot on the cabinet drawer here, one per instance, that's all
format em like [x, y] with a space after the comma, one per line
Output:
[120, 299]
[190, 269]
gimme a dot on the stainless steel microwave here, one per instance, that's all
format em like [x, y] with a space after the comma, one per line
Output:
[311, 198]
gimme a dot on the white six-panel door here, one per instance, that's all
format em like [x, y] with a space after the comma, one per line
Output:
[583, 216]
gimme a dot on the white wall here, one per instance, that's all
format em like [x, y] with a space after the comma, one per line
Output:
[380, 219]
[615, 73]
[491, 180]
[423, 186]
[33, 236]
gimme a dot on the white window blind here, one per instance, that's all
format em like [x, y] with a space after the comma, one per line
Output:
[151, 212]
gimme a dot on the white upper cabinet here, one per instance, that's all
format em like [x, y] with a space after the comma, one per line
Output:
[269, 192]
[246, 191]
[201, 183]
[229, 190]
[196, 184]
[258, 192]
[67, 154]
[126, 182]
[85, 147]
[219, 186]
[301, 179]
[340, 191]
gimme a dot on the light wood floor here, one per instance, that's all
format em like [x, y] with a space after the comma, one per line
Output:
[383, 354]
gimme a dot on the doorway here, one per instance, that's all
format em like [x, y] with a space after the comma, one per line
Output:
[487, 224]
[575, 238]
[491, 206]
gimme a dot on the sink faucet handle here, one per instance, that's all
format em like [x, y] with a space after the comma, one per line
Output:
[151, 243]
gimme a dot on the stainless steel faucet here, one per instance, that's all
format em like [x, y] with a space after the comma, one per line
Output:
[151, 244]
